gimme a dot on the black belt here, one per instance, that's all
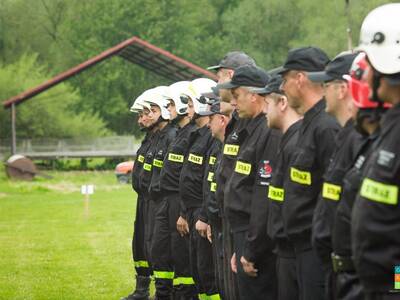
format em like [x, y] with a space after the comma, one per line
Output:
[342, 263]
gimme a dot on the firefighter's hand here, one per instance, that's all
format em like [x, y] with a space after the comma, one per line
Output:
[233, 263]
[209, 233]
[182, 226]
[248, 267]
[201, 228]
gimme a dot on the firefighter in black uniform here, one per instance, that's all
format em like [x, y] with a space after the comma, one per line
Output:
[145, 174]
[169, 248]
[191, 192]
[282, 117]
[366, 114]
[314, 148]
[338, 104]
[225, 70]
[143, 270]
[220, 114]
[167, 133]
[246, 205]
[376, 211]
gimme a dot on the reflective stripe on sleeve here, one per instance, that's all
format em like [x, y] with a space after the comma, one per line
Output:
[302, 177]
[379, 192]
[243, 168]
[331, 191]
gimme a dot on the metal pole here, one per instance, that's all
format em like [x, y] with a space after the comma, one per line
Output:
[349, 37]
[13, 131]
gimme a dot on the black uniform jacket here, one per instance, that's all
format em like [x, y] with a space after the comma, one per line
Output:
[147, 168]
[246, 191]
[166, 136]
[228, 158]
[276, 192]
[191, 178]
[348, 141]
[210, 211]
[314, 148]
[139, 160]
[173, 161]
[341, 232]
[376, 212]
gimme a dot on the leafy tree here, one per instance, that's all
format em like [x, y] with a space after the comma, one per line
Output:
[50, 115]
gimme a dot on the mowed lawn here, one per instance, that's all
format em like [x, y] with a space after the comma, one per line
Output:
[49, 248]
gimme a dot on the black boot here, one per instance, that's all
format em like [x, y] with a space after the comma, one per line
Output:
[142, 291]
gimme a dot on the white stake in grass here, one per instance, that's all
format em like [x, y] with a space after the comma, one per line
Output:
[87, 190]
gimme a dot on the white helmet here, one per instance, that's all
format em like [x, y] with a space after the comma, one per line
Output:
[380, 38]
[156, 97]
[174, 93]
[196, 88]
[139, 103]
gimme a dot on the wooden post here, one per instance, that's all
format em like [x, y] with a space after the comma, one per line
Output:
[13, 130]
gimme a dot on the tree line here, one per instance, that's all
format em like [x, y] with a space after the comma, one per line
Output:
[41, 38]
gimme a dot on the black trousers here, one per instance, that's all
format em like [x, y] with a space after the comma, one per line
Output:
[310, 275]
[218, 255]
[231, 288]
[201, 259]
[347, 286]
[382, 296]
[170, 252]
[149, 216]
[142, 265]
[262, 287]
[288, 288]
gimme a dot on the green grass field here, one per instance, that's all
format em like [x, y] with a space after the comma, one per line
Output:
[49, 248]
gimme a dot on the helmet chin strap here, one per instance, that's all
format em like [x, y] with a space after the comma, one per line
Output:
[160, 119]
[376, 82]
[372, 115]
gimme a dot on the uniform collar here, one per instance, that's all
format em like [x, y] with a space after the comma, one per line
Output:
[291, 130]
[254, 122]
[203, 130]
[390, 119]
[344, 132]
[312, 112]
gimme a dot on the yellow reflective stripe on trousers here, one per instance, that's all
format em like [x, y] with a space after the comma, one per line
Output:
[379, 192]
[195, 159]
[203, 297]
[183, 280]
[275, 193]
[231, 149]
[210, 176]
[175, 157]
[213, 187]
[158, 163]
[331, 191]
[141, 264]
[302, 177]
[140, 158]
[243, 168]
[212, 160]
[147, 167]
[214, 297]
[164, 275]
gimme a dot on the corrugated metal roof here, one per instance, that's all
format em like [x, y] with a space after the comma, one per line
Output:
[134, 50]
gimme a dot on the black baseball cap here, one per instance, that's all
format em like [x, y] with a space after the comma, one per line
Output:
[248, 76]
[213, 109]
[234, 60]
[335, 70]
[273, 86]
[309, 59]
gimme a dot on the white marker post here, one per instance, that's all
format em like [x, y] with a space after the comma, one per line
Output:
[87, 190]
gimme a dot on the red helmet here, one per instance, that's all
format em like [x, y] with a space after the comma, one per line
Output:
[360, 90]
